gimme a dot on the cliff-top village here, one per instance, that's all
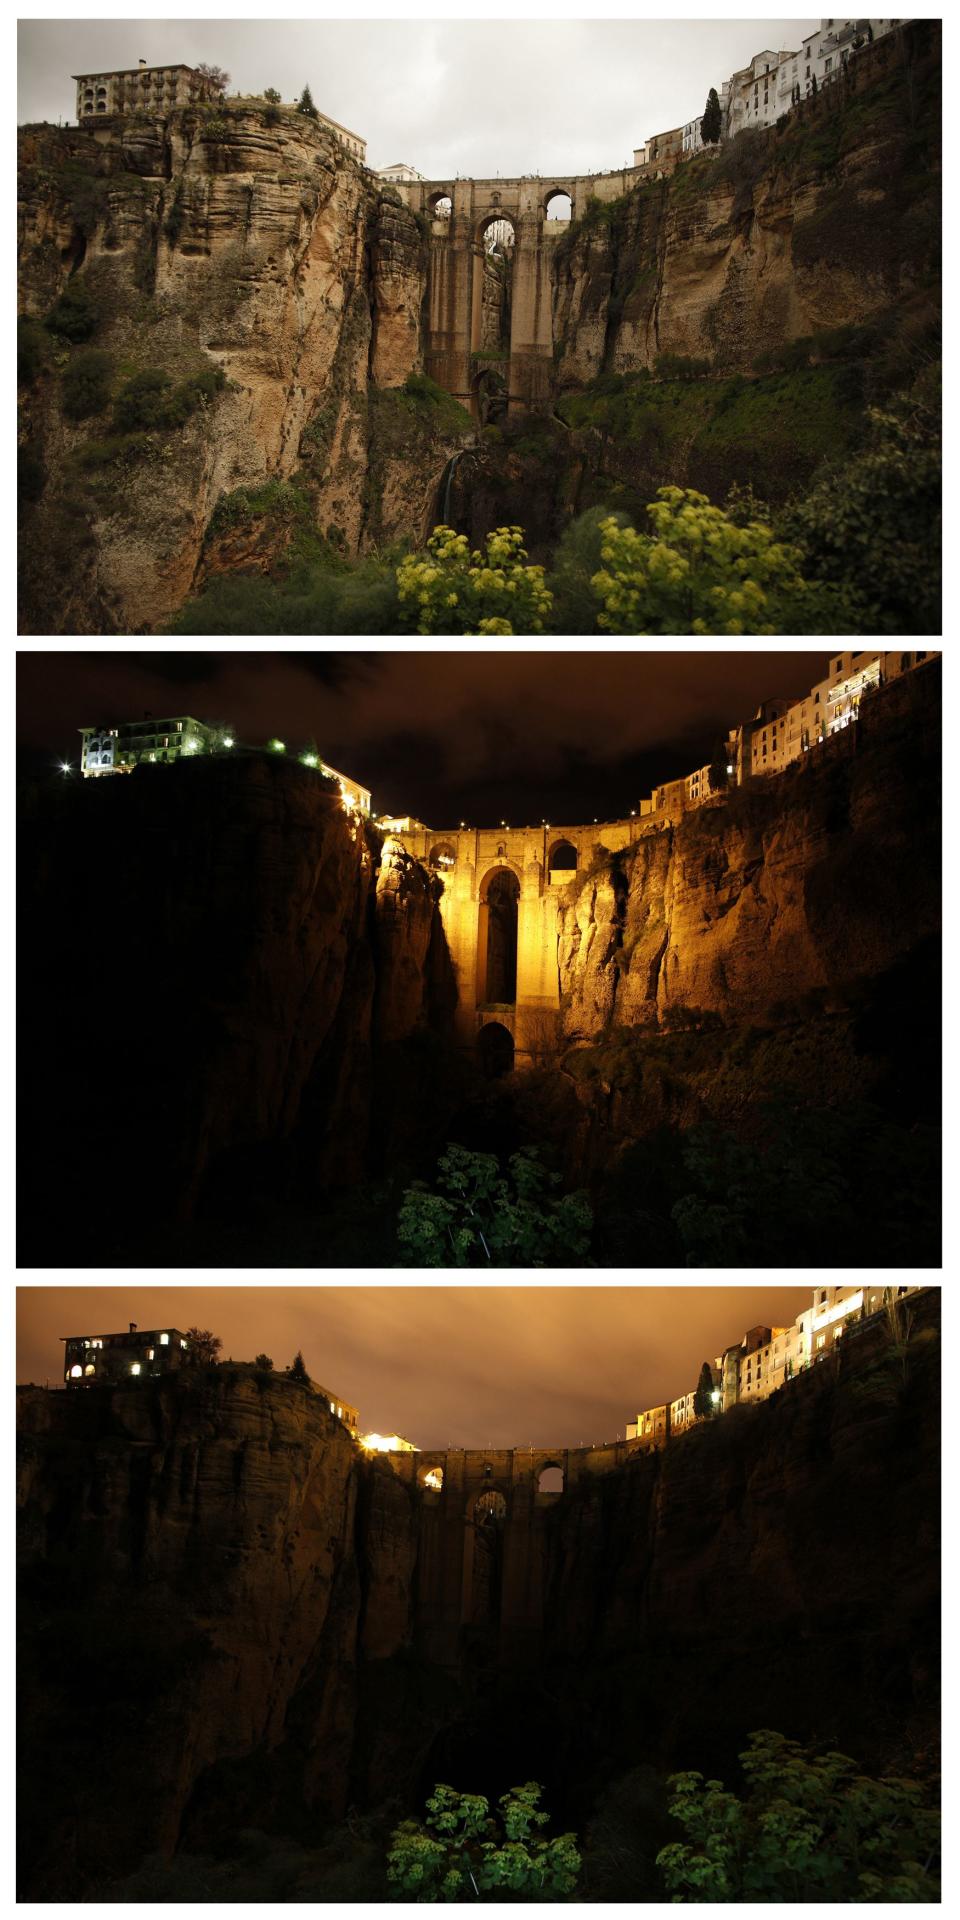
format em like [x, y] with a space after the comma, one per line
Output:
[759, 1364]
[757, 95]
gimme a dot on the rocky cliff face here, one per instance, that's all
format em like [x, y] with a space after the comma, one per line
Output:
[221, 1623]
[240, 960]
[824, 224]
[732, 909]
[242, 240]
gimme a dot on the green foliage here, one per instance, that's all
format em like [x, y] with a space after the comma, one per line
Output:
[271, 96]
[453, 590]
[809, 1827]
[85, 383]
[460, 1853]
[298, 1369]
[681, 366]
[576, 560]
[75, 315]
[481, 1215]
[33, 351]
[698, 572]
[711, 126]
[703, 1403]
[264, 1362]
[872, 527]
[204, 1347]
[305, 105]
[280, 500]
[150, 400]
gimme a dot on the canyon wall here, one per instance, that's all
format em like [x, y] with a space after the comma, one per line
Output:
[824, 223]
[801, 884]
[227, 1622]
[219, 961]
[245, 241]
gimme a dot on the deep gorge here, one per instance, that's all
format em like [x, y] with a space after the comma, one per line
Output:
[227, 411]
[213, 1568]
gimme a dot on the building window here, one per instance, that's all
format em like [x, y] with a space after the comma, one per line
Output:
[135, 1367]
[76, 1373]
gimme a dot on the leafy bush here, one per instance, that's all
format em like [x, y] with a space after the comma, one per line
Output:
[458, 1853]
[699, 572]
[809, 1828]
[681, 366]
[150, 400]
[872, 526]
[576, 560]
[319, 593]
[86, 382]
[75, 315]
[453, 590]
[485, 1216]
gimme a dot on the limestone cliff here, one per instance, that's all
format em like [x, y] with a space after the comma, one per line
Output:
[233, 1002]
[828, 221]
[230, 1615]
[243, 240]
[732, 910]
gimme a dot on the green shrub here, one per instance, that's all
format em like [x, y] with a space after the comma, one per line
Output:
[682, 366]
[459, 1853]
[85, 383]
[75, 315]
[150, 400]
[483, 1216]
[810, 1827]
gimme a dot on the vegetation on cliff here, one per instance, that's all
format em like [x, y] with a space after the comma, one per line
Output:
[810, 1827]
[459, 1853]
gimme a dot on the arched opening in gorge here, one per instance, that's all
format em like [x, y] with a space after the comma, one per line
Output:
[497, 939]
[558, 206]
[562, 862]
[496, 1049]
[489, 1521]
[550, 1479]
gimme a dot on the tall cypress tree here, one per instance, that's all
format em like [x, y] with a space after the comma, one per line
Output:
[711, 126]
[305, 105]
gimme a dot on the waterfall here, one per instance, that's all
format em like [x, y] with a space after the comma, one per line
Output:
[447, 483]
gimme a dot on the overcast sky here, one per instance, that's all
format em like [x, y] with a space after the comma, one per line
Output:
[482, 737]
[448, 96]
[445, 1366]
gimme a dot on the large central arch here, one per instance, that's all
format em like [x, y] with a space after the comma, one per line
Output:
[497, 922]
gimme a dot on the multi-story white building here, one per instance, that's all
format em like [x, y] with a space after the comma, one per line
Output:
[753, 92]
[119, 749]
[401, 170]
[825, 53]
[783, 731]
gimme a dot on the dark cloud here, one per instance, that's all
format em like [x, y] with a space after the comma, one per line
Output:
[458, 1366]
[444, 736]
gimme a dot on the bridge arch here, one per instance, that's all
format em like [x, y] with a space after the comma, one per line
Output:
[497, 926]
[558, 204]
[563, 857]
[442, 856]
[497, 229]
[441, 204]
[430, 1475]
[551, 1478]
[495, 1045]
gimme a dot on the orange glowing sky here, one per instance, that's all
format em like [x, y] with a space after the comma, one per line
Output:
[446, 1366]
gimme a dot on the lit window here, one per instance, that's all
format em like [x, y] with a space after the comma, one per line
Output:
[90, 1368]
[76, 1373]
[135, 1367]
[164, 1339]
[150, 1352]
[821, 1337]
[183, 1343]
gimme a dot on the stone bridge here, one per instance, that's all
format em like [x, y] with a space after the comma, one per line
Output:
[483, 1537]
[460, 213]
[502, 889]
